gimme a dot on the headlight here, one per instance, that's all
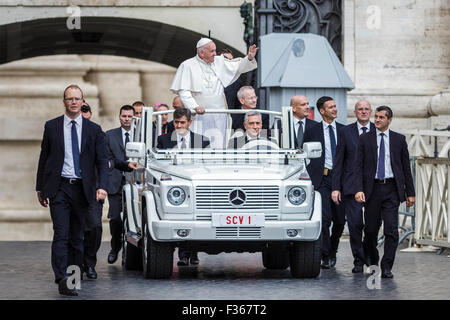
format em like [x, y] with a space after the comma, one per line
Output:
[176, 196]
[297, 195]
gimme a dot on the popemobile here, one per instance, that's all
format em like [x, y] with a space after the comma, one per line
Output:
[258, 198]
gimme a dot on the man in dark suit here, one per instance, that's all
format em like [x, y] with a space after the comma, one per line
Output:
[93, 229]
[116, 141]
[72, 148]
[231, 91]
[183, 138]
[247, 97]
[164, 121]
[343, 184]
[383, 181]
[321, 171]
[253, 131]
[300, 110]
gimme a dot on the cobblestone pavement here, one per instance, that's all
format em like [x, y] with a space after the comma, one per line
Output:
[25, 273]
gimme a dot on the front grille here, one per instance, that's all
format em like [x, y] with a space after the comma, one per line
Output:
[216, 197]
[238, 232]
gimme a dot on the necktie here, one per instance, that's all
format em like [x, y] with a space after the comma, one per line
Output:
[127, 139]
[163, 129]
[300, 134]
[332, 142]
[381, 156]
[183, 143]
[75, 150]
[364, 129]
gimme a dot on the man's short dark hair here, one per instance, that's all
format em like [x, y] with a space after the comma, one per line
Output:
[126, 107]
[182, 112]
[138, 103]
[86, 108]
[321, 102]
[389, 113]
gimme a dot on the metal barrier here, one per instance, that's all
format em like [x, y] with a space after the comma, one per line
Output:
[433, 202]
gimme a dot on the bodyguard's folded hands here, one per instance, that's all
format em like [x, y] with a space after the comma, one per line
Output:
[101, 195]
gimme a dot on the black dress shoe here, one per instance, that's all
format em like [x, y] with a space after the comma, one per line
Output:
[91, 273]
[357, 269]
[332, 261]
[194, 261]
[64, 290]
[387, 274]
[183, 262]
[325, 264]
[112, 257]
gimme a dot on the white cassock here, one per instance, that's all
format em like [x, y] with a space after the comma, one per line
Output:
[202, 84]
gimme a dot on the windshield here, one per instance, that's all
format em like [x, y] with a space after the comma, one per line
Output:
[224, 134]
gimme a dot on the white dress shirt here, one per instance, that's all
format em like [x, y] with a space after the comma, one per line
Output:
[387, 159]
[187, 139]
[297, 123]
[360, 130]
[124, 136]
[326, 135]
[68, 170]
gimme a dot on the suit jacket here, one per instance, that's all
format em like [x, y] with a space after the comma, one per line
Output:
[93, 155]
[117, 154]
[308, 125]
[345, 162]
[231, 94]
[316, 166]
[367, 159]
[238, 121]
[169, 141]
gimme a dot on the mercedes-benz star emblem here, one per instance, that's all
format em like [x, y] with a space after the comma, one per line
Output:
[237, 197]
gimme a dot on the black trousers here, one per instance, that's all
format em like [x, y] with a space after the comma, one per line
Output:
[354, 214]
[383, 206]
[115, 222]
[331, 214]
[67, 209]
[93, 233]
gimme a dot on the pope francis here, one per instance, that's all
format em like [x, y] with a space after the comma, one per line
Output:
[200, 83]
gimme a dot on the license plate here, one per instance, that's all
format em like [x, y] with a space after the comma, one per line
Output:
[238, 220]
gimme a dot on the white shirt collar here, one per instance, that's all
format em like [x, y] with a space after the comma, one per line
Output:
[386, 133]
[78, 120]
[325, 125]
[360, 126]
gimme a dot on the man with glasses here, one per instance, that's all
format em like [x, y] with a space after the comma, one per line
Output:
[72, 149]
[247, 97]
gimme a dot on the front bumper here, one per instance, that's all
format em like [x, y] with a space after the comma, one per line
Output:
[308, 230]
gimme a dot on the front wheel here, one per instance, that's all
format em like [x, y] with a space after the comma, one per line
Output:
[305, 259]
[157, 257]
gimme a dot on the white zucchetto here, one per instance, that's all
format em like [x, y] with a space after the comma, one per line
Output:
[202, 42]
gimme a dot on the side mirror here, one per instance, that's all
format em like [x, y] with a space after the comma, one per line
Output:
[312, 149]
[135, 150]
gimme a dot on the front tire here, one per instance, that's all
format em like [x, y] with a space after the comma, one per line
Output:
[157, 257]
[305, 259]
